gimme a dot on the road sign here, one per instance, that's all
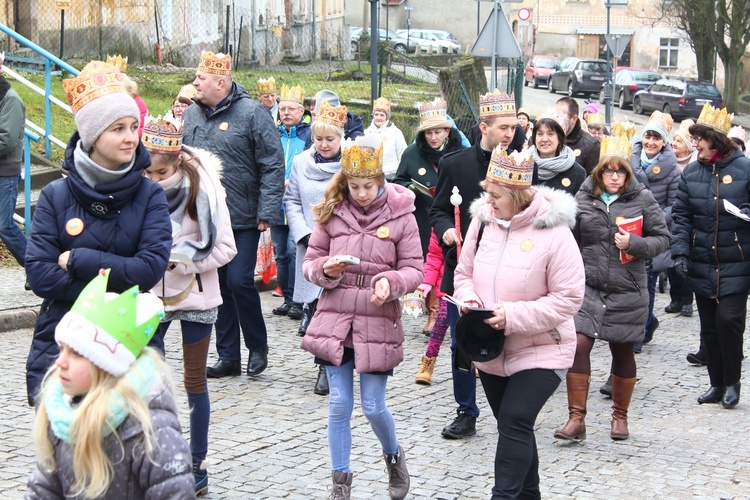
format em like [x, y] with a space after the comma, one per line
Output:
[408, 8]
[506, 44]
[617, 43]
[524, 14]
[63, 4]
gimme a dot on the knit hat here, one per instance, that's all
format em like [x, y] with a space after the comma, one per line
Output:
[683, 133]
[326, 96]
[660, 123]
[110, 329]
[591, 107]
[99, 98]
[382, 104]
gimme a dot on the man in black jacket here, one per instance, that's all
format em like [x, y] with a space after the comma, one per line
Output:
[464, 169]
[583, 144]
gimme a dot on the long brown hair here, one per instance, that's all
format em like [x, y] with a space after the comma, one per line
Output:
[189, 167]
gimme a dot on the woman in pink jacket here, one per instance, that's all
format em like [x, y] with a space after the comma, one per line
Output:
[526, 267]
[202, 241]
[357, 324]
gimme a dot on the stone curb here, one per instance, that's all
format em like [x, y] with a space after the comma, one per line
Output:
[16, 319]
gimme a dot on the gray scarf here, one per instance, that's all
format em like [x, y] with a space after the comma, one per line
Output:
[94, 174]
[547, 168]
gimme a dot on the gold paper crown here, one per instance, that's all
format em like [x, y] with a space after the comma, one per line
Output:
[524, 111]
[497, 103]
[266, 85]
[595, 119]
[514, 171]
[330, 115]
[363, 157]
[161, 136]
[186, 93]
[717, 119]
[436, 108]
[95, 80]
[216, 64]
[382, 103]
[737, 132]
[118, 62]
[554, 114]
[663, 121]
[624, 129]
[617, 146]
[292, 94]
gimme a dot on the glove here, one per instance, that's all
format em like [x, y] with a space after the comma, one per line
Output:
[305, 241]
[424, 288]
[681, 266]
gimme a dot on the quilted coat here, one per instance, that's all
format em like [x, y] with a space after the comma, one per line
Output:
[384, 236]
[534, 269]
[124, 226]
[615, 306]
[715, 242]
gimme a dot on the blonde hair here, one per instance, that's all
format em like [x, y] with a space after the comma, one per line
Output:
[336, 192]
[520, 199]
[318, 127]
[130, 85]
[92, 467]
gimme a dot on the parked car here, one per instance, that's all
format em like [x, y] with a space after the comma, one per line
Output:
[538, 69]
[398, 43]
[577, 75]
[628, 81]
[678, 97]
[431, 38]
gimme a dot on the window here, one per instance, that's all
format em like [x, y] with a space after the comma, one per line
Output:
[668, 52]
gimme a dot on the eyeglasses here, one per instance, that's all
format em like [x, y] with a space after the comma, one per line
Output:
[289, 110]
[608, 172]
[695, 138]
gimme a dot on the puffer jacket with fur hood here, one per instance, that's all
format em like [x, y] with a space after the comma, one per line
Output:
[534, 269]
[384, 236]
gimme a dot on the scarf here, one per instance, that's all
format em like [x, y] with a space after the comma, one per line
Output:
[608, 198]
[646, 162]
[95, 175]
[550, 167]
[176, 188]
[320, 159]
[432, 155]
[61, 409]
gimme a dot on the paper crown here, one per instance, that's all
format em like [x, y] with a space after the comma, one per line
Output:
[186, 94]
[363, 157]
[624, 129]
[524, 111]
[382, 103]
[433, 115]
[108, 329]
[292, 94]
[330, 115]
[266, 85]
[514, 171]
[662, 121]
[118, 62]
[555, 115]
[717, 119]
[595, 119]
[617, 146]
[737, 132]
[162, 136]
[96, 79]
[216, 64]
[496, 103]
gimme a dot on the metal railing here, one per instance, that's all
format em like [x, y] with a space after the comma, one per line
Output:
[28, 136]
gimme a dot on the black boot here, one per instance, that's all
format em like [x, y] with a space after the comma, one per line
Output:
[307, 314]
[321, 385]
[258, 361]
[699, 358]
[224, 368]
[674, 306]
[714, 395]
[732, 396]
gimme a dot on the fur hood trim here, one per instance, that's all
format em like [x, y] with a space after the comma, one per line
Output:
[550, 208]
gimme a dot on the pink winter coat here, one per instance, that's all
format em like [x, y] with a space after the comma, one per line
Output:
[534, 269]
[433, 265]
[385, 237]
[205, 293]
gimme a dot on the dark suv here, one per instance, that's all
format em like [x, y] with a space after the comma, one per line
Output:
[577, 75]
[679, 98]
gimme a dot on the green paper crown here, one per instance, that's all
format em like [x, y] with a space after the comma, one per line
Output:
[117, 316]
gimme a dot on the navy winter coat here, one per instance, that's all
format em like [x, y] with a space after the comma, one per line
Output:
[715, 242]
[125, 227]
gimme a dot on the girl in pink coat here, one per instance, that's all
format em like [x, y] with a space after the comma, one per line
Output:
[364, 253]
[528, 269]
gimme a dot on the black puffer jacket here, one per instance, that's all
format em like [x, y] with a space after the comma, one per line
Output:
[715, 242]
[585, 146]
[615, 305]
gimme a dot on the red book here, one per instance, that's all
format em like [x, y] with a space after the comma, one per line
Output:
[633, 226]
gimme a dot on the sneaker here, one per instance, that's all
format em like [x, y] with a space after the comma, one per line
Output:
[638, 347]
[277, 292]
[200, 474]
[464, 425]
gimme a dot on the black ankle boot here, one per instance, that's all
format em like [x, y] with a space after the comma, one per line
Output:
[321, 385]
[731, 396]
[308, 311]
[713, 395]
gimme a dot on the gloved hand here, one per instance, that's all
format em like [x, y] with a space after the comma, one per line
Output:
[424, 288]
[681, 266]
[305, 241]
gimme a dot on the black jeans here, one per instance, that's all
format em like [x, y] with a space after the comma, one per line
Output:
[516, 401]
[722, 329]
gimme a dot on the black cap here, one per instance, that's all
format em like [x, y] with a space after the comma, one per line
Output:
[477, 340]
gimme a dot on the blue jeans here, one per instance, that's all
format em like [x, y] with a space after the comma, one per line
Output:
[241, 307]
[464, 383]
[341, 404]
[10, 233]
[285, 250]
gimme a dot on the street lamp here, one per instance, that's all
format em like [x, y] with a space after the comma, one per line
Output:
[408, 25]
[609, 88]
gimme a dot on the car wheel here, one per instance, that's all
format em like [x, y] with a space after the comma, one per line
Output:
[621, 101]
[550, 88]
[667, 109]
[400, 48]
[571, 92]
[637, 108]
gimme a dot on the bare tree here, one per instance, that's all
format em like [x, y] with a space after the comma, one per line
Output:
[692, 17]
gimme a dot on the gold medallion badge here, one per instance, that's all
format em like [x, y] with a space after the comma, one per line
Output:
[383, 232]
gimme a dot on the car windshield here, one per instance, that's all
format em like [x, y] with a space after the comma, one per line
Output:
[543, 62]
[646, 77]
[596, 67]
[703, 89]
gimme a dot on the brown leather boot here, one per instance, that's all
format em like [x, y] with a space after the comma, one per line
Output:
[578, 392]
[622, 390]
[433, 306]
[342, 485]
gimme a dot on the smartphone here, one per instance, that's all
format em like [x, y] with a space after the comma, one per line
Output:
[347, 259]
